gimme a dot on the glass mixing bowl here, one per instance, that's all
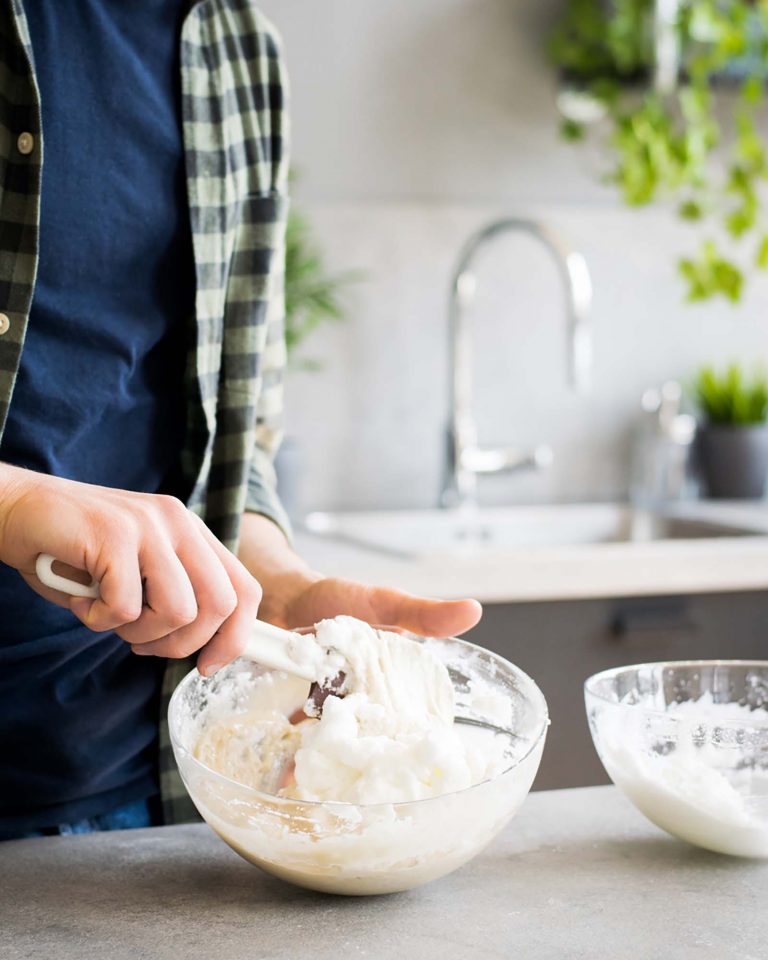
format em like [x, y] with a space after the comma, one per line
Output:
[687, 742]
[365, 849]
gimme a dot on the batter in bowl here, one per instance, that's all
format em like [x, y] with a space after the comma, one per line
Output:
[390, 739]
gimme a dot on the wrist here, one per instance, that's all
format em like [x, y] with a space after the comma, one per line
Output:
[284, 576]
[282, 591]
[15, 484]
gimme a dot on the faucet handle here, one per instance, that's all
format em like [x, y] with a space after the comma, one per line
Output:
[505, 459]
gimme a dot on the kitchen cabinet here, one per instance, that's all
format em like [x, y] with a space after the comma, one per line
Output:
[561, 643]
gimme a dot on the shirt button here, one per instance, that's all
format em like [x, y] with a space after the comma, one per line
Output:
[5, 323]
[25, 143]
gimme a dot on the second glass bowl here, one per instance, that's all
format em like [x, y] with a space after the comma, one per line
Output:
[687, 742]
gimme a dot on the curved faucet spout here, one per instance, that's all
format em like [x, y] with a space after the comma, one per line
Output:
[463, 454]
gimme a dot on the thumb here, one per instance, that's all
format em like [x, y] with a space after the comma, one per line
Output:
[428, 618]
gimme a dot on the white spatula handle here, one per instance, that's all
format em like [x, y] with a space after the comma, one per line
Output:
[274, 647]
[44, 570]
[268, 645]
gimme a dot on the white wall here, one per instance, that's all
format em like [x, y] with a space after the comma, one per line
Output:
[414, 122]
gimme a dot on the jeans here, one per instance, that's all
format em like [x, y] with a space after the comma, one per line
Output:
[142, 813]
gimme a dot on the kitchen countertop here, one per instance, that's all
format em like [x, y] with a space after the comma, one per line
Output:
[578, 874]
[572, 572]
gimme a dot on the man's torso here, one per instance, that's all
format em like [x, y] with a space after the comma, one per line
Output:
[236, 174]
[99, 389]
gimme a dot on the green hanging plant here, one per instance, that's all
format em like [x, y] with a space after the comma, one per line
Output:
[673, 146]
[313, 297]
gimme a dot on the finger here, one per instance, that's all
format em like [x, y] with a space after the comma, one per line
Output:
[234, 567]
[215, 596]
[170, 601]
[230, 641]
[428, 618]
[120, 590]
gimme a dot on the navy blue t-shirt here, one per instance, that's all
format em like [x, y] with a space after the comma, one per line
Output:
[99, 394]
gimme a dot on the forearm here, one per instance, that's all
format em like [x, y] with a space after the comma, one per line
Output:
[9, 486]
[282, 573]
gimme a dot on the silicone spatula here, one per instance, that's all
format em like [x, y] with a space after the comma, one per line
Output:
[267, 645]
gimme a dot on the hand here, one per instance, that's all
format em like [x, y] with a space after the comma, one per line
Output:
[380, 606]
[168, 586]
[296, 596]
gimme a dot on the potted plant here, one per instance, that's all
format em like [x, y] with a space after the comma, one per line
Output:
[313, 298]
[647, 75]
[733, 435]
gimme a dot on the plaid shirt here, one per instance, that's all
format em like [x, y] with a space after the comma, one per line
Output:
[235, 143]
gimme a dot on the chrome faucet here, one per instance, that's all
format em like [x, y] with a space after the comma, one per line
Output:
[465, 458]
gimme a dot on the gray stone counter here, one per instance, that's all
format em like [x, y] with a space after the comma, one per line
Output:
[578, 874]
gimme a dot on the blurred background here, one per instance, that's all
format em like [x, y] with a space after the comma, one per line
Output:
[413, 125]
[619, 523]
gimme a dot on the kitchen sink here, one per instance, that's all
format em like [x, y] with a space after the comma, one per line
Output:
[428, 532]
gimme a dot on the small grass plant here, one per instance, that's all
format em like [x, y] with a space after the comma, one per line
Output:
[732, 397]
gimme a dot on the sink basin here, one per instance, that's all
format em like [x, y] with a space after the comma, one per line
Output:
[426, 532]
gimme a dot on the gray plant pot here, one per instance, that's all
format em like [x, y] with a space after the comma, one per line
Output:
[734, 461]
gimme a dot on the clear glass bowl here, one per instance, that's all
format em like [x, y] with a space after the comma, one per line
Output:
[687, 742]
[366, 849]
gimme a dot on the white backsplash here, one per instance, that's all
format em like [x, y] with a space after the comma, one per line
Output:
[413, 125]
